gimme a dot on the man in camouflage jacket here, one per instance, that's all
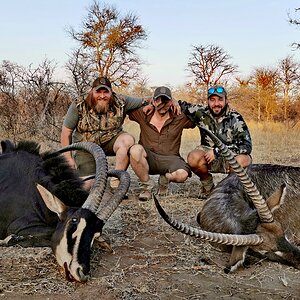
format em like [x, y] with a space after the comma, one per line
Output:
[228, 125]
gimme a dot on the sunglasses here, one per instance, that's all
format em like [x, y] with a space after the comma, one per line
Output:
[216, 90]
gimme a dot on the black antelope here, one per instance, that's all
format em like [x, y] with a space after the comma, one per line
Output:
[43, 203]
[257, 208]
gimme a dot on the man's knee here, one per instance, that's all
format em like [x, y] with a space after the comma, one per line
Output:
[244, 160]
[195, 157]
[179, 175]
[136, 152]
[183, 175]
[124, 142]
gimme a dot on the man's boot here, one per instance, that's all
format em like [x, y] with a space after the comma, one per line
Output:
[146, 190]
[163, 185]
[207, 186]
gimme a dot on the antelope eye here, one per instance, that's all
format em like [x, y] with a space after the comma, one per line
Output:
[74, 220]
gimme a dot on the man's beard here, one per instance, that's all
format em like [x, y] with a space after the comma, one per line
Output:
[221, 113]
[101, 107]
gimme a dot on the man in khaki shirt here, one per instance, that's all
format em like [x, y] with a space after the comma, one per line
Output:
[159, 144]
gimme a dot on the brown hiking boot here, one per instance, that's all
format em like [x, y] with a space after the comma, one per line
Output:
[145, 195]
[207, 186]
[204, 193]
[163, 185]
[146, 187]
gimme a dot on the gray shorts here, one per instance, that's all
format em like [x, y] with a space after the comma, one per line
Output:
[85, 161]
[162, 164]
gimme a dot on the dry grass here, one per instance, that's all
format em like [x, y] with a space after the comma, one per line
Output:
[275, 143]
[272, 142]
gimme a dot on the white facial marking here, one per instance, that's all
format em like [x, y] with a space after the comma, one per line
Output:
[96, 235]
[62, 254]
[61, 251]
[279, 253]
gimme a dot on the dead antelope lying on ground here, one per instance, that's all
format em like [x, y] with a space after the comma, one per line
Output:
[237, 214]
[43, 203]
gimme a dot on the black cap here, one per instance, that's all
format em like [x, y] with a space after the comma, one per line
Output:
[102, 82]
[162, 91]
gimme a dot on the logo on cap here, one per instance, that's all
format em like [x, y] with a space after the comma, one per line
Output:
[102, 82]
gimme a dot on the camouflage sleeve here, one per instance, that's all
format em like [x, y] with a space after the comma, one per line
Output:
[242, 143]
[193, 111]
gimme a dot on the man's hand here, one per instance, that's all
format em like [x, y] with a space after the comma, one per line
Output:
[148, 109]
[210, 156]
[175, 107]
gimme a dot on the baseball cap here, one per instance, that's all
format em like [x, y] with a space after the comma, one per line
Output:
[162, 91]
[217, 90]
[102, 82]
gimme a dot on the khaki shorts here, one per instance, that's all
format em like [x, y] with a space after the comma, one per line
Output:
[85, 161]
[219, 165]
[162, 164]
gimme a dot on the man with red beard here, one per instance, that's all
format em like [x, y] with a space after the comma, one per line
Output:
[159, 144]
[98, 118]
[228, 125]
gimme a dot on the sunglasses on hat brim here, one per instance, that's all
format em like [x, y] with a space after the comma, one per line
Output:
[216, 90]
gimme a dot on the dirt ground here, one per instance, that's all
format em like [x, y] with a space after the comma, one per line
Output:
[150, 261]
[153, 261]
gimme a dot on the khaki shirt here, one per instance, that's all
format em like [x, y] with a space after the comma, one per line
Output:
[165, 142]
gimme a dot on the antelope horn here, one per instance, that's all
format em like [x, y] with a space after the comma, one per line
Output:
[94, 198]
[106, 208]
[220, 238]
[259, 202]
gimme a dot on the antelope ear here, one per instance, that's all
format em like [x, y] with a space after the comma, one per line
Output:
[277, 198]
[51, 201]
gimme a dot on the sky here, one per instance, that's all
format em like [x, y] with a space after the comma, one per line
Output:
[255, 33]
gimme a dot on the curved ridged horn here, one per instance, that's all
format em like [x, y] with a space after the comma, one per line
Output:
[94, 199]
[259, 202]
[220, 238]
[106, 208]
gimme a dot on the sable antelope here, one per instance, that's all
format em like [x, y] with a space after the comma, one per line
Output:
[43, 203]
[237, 214]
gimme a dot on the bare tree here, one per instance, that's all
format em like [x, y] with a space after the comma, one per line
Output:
[295, 21]
[266, 87]
[209, 65]
[31, 102]
[11, 109]
[81, 70]
[141, 88]
[288, 76]
[108, 44]
[243, 97]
